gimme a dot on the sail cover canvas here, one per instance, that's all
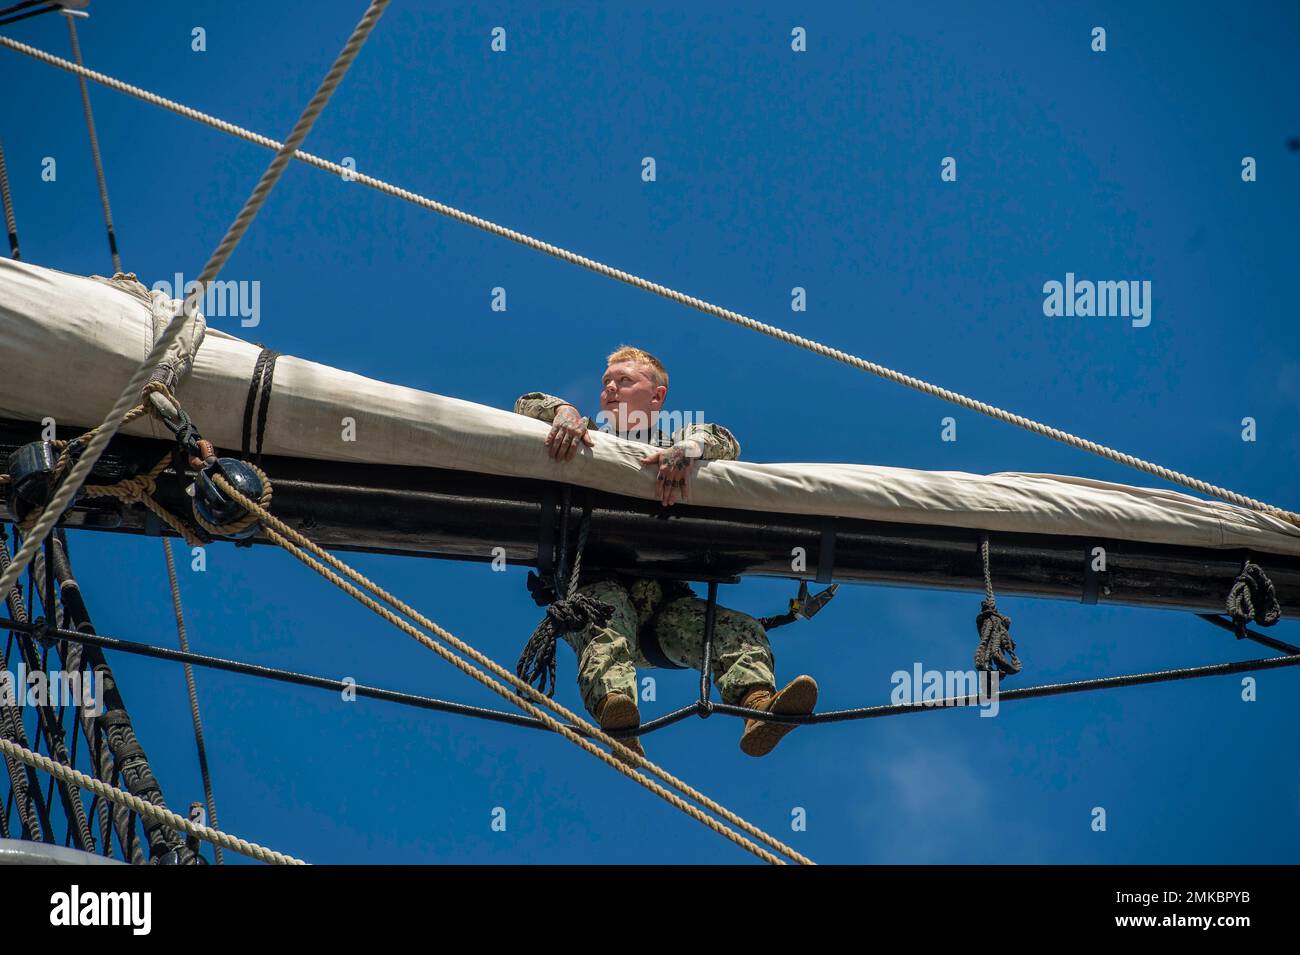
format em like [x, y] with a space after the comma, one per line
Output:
[70, 344]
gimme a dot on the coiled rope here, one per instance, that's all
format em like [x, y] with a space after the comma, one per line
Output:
[996, 648]
[1253, 596]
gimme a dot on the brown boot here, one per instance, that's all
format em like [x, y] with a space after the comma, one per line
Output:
[798, 698]
[617, 711]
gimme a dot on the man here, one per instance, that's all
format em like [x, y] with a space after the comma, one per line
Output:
[652, 618]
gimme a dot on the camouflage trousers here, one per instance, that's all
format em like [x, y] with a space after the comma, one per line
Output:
[608, 657]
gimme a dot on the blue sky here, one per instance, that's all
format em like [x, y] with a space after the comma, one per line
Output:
[775, 169]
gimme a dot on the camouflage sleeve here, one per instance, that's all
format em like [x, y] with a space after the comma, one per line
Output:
[537, 405]
[719, 444]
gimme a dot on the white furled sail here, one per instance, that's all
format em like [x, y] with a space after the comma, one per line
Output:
[70, 343]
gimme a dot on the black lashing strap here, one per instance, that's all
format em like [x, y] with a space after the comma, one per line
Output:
[647, 637]
[546, 533]
[259, 398]
[647, 640]
[826, 552]
[1091, 578]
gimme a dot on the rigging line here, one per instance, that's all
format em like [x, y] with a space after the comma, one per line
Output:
[7, 200]
[23, 5]
[131, 394]
[278, 675]
[1032, 692]
[24, 785]
[50, 8]
[1267, 641]
[1175, 477]
[49, 722]
[298, 545]
[676, 716]
[193, 692]
[94, 147]
[160, 815]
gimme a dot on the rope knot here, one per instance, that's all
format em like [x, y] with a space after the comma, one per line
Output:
[994, 628]
[567, 615]
[1253, 597]
[133, 489]
[995, 640]
[577, 613]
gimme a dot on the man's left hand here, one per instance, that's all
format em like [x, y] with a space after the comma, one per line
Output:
[674, 471]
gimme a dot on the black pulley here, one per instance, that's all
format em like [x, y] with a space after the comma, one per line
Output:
[31, 469]
[214, 506]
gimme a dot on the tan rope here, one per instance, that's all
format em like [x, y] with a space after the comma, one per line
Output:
[192, 690]
[140, 489]
[297, 545]
[708, 308]
[81, 470]
[158, 814]
[248, 520]
[61, 465]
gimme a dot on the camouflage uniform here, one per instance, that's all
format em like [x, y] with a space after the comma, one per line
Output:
[718, 443]
[649, 611]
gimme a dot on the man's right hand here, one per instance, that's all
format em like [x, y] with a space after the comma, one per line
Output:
[568, 430]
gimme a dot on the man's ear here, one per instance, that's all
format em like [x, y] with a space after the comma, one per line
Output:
[661, 392]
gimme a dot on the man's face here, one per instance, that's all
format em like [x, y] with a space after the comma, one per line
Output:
[629, 397]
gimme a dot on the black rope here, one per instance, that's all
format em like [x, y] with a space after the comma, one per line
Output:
[25, 4]
[1004, 696]
[45, 730]
[94, 149]
[996, 649]
[335, 687]
[30, 13]
[259, 398]
[24, 785]
[831, 716]
[1253, 597]
[11, 224]
[1279, 645]
[573, 612]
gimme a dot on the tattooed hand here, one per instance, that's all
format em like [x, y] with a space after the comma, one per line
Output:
[568, 431]
[674, 470]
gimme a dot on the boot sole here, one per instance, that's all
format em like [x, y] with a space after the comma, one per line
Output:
[620, 714]
[798, 699]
